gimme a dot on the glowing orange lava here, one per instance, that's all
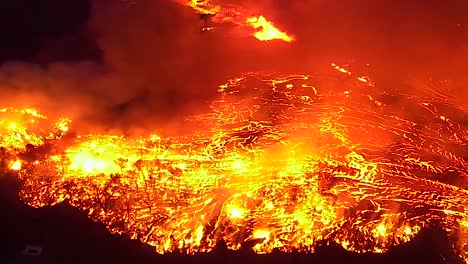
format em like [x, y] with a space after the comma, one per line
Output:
[288, 161]
[268, 30]
[241, 17]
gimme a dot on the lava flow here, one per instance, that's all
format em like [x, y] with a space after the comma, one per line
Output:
[283, 162]
[243, 18]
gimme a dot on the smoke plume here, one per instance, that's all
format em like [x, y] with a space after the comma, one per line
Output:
[156, 65]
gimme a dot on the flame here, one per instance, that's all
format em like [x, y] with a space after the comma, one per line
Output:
[239, 16]
[234, 212]
[268, 30]
[15, 165]
[264, 236]
[204, 7]
[284, 165]
[15, 128]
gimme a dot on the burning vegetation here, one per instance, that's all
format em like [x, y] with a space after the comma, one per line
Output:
[282, 162]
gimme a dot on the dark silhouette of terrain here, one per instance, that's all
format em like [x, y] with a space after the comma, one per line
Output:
[68, 236]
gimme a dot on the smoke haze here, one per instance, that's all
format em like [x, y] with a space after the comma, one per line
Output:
[156, 66]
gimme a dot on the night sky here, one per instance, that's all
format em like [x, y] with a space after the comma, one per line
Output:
[145, 48]
[28, 26]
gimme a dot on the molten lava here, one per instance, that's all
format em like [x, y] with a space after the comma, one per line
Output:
[236, 15]
[268, 30]
[287, 161]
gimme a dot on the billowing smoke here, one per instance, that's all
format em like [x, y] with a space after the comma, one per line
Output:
[156, 65]
[162, 58]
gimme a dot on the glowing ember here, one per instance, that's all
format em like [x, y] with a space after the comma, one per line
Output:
[268, 30]
[15, 165]
[204, 6]
[20, 128]
[287, 161]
